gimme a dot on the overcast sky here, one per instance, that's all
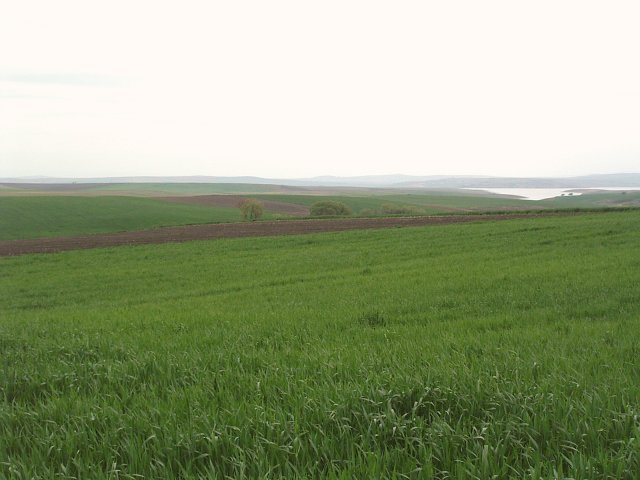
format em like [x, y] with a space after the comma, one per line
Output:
[300, 88]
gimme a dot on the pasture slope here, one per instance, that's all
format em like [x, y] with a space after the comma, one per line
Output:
[56, 216]
[63, 210]
[478, 350]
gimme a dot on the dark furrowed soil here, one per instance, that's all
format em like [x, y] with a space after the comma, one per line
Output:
[232, 230]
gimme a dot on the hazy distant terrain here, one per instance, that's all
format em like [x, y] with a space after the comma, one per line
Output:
[36, 210]
[394, 181]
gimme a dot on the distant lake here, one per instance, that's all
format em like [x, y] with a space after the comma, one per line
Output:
[542, 193]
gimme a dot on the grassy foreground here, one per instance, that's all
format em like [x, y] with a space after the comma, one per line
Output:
[489, 350]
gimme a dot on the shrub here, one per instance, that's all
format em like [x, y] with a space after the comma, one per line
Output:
[329, 208]
[251, 209]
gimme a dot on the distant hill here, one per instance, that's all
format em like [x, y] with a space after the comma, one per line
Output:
[587, 181]
[142, 179]
[376, 181]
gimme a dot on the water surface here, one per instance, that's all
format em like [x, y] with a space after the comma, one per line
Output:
[542, 193]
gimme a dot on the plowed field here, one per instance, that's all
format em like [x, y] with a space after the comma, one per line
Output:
[231, 230]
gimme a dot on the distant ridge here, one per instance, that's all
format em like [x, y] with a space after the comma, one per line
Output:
[587, 181]
[377, 181]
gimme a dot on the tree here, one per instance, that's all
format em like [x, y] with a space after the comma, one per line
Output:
[251, 209]
[331, 208]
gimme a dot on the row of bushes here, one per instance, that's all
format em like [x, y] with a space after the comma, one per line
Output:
[329, 208]
[335, 209]
[253, 209]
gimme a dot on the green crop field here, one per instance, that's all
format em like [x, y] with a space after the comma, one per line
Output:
[419, 203]
[45, 216]
[427, 203]
[594, 200]
[28, 211]
[485, 350]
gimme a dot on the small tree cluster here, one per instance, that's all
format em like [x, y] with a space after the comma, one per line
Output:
[251, 209]
[328, 208]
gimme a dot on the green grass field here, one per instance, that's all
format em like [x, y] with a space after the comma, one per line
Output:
[34, 216]
[30, 213]
[428, 203]
[55, 216]
[595, 200]
[420, 203]
[487, 350]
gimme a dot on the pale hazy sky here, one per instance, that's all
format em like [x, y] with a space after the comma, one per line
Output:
[299, 88]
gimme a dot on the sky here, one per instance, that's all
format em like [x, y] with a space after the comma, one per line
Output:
[287, 89]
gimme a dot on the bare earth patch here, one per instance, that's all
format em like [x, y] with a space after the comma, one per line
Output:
[232, 230]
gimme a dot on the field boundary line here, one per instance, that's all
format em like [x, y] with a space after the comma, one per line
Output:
[212, 231]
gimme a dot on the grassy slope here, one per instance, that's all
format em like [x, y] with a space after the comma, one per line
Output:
[42, 216]
[64, 215]
[427, 203]
[507, 349]
[431, 202]
[594, 200]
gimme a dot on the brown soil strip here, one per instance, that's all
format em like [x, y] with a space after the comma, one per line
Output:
[232, 201]
[232, 230]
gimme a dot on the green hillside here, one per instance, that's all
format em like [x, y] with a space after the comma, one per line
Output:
[427, 203]
[595, 200]
[44, 216]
